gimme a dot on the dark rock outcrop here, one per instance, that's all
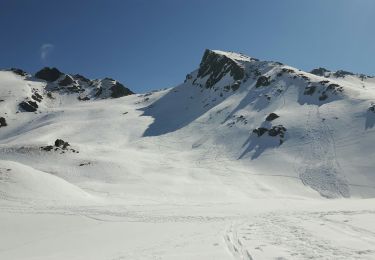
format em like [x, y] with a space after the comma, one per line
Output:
[3, 122]
[28, 106]
[98, 91]
[272, 116]
[19, 72]
[47, 148]
[37, 97]
[334, 87]
[274, 131]
[263, 81]
[319, 71]
[119, 90]
[236, 85]
[68, 80]
[310, 90]
[81, 78]
[60, 146]
[278, 130]
[342, 74]
[216, 66]
[260, 131]
[61, 143]
[48, 74]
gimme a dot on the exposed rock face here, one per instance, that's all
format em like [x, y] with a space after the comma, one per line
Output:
[274, 131]
[310, 90]
[263, 81]
[338, 74]
[48, 74]
[28, 106]
[81, 78]
[60, 146]
[119, 90]
[319, 71]
[78, 84]
[216, 66]
[58, 83]
[61, 143]
[68, 80]
[278, 130]
[342, 74]
[260, 131]
[324, 89]
[3, 122]
[47, 148]
[37, 97]
[272, 117]
[332, 89]
[19, 72]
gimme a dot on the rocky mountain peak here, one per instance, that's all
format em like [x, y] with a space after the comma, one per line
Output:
[48, 74]
[85, 88]
[216, 64]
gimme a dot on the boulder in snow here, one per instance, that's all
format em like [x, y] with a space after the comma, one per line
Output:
[272, 117]
[28, 106]
[3, 122]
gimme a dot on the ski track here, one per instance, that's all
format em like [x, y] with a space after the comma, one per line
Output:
[285, 236]
[320, 169]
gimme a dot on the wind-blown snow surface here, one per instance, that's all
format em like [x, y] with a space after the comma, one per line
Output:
[180, 174]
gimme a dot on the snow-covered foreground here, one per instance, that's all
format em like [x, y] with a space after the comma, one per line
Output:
[259, 229]
[192, 172]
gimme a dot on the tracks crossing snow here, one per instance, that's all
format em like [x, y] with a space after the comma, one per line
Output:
[320, 169]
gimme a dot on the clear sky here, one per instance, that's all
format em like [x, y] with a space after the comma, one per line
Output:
[151, 44]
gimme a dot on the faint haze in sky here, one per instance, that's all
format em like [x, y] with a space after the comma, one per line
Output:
[45, 51]
[153, 44]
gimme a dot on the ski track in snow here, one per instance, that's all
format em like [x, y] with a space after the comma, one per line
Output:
[320, 169]
[291, 236]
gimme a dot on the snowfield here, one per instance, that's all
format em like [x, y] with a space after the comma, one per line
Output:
[198, 171]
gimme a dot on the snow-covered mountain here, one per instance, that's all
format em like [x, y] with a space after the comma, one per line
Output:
[237, 131]
[50, 83]
[278, 120]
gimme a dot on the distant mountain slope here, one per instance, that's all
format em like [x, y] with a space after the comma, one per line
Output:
[50, 84]
[236, 128]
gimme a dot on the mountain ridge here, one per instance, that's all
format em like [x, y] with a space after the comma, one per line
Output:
[233, 108]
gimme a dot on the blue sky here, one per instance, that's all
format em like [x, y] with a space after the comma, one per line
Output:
[151, 44]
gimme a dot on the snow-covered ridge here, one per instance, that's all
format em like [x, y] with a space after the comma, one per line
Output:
[234, 55]
[50, 86]
[249, 110]
[338, 74]
[85, 88]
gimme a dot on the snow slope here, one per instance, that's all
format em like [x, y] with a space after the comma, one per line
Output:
[246, 159]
